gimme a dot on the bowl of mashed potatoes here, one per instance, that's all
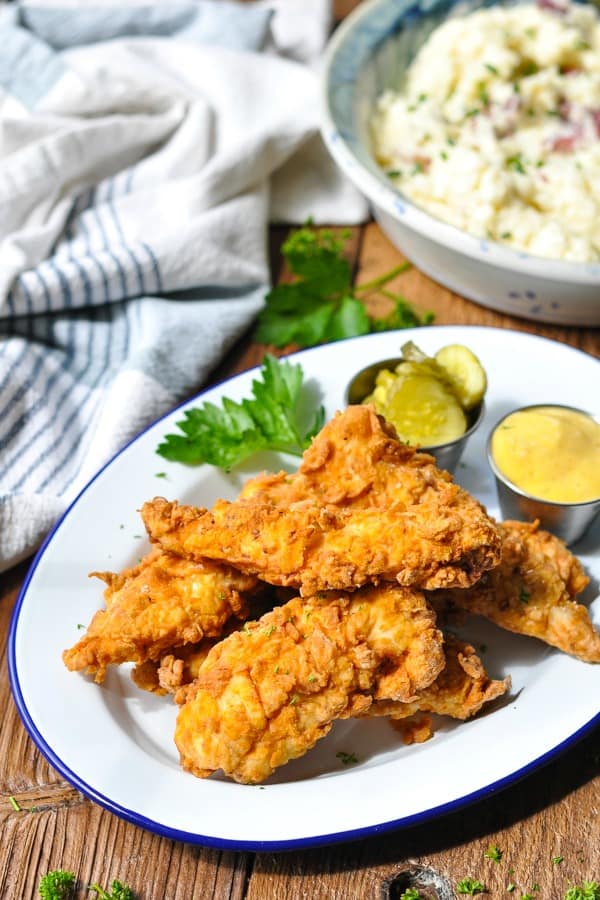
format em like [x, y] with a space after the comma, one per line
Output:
[474, 130]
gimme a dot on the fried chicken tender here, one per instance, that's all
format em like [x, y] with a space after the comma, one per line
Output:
[363, 508]
[460, 690]
[267, 694]
[162, 602]
[532, 592]
[179, 666]
[174, 670]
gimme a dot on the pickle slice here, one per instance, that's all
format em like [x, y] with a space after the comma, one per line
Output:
[465, 372]
[423, 410]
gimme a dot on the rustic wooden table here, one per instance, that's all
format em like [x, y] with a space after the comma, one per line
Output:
[553, 812]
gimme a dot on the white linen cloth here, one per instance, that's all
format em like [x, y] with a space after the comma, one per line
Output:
[143, 151]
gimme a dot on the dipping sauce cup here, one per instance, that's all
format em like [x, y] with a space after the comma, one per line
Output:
[546, 462]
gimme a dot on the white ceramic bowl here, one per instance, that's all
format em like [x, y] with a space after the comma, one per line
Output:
[369, 53]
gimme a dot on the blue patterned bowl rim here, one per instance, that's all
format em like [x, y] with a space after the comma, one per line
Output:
[349, 48]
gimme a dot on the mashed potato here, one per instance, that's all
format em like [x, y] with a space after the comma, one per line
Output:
[497, 128]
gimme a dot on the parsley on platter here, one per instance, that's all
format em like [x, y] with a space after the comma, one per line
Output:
[269, 420]
[321, 305]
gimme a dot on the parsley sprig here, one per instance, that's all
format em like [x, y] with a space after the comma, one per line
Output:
[589, 890]
[118, 891]
[321, 304]
[270, 420]
[60, 885]
[56, 885]
[493, 852]
[470, 886]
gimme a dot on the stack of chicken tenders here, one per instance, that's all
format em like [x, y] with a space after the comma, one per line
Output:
[324, 595]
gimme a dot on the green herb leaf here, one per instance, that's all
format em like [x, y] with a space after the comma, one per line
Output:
[118, 891]
[556, 860]
[411, 894]
[516, 163]
[269, 421]
[321, 304]
[347, 759]
[494, 853]
[470, 886]
[589, 890]
[56, 885]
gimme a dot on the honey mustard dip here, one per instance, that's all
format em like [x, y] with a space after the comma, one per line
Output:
[551, 452]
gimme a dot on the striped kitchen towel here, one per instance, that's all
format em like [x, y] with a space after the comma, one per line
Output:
[143, 151]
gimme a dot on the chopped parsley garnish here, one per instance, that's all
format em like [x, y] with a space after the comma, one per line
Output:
[322, 304]
[482, 94]
[394, 173]
[472, 112]
[524, 595]
[511, 887]
[506, 235]
[347, 759]
[516, 162]
[494, 853]
[418, 168]
[411, 894]
[444, 155]
[589, 890]
[14, 803]
[269, 421]
[160, 475]
[470, 886]
[556, 860]
[491, 68]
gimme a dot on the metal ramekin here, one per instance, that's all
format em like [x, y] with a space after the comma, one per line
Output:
[446, 455]
[567, 521]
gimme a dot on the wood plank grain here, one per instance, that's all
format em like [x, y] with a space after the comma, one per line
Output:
[553, 812]
[99, 847]
[378, 255]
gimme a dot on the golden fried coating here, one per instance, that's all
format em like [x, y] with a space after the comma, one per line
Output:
[363, 508]
[265, 695]
[162, 602]
[531, 592]
[174, 670]
[178, 666]
[459, 691]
